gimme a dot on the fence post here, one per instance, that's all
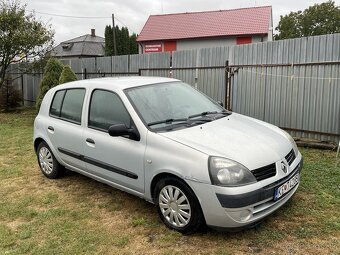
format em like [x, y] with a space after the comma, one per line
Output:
[22, 90]
[227, 86]
[7, 92]
[128, 67]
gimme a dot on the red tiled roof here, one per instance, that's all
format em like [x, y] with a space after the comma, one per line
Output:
[245, 21]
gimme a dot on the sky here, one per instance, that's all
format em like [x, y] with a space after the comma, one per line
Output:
[134, 13]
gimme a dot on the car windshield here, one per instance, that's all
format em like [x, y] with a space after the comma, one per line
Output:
[173, 104]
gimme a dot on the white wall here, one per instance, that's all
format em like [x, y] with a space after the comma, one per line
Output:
[204, 43]
[270, 29]
[257, 39]
[213, 42]
[188, 44]
[140, 48]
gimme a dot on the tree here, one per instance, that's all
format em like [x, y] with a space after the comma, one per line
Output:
[133, 44]
[10, 96]
[119, 40]
[108, 41]
[318, 19]
[125, 44]
[50, 78]
[21, 35]
[67, 75]
[125, 41]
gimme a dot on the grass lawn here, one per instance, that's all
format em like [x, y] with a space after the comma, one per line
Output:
[75, 214]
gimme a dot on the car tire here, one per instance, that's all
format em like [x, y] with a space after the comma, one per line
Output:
[49, 166]
[178, 206]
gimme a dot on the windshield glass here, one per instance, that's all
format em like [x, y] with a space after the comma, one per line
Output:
[169, 103]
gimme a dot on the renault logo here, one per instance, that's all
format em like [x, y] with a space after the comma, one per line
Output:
[284, 167]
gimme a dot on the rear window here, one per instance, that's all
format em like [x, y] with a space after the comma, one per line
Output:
[56, 104]
[68, 104]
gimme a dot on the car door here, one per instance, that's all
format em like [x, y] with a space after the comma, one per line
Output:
[117, 159]
[64, 127]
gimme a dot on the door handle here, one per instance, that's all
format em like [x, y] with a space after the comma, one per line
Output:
[50, 128]
[89, 140]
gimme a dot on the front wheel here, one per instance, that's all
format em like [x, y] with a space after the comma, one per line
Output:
[178, 206]
[49, 166]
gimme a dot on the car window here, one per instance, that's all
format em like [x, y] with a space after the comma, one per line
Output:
[56, 104]
[171, 100]
[106, 109]
[72, 105]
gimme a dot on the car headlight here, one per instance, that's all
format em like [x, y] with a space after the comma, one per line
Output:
[226, 172]
[290, 138]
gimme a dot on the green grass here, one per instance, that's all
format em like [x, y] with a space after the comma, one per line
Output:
[122, 241]
[76, 215]
[139, 222]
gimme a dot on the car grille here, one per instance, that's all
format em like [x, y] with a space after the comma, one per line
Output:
[270, 170]
[264, 172]
[266, 205]
[290, 157]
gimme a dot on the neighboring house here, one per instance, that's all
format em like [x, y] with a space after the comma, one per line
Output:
[81, 47]
[192, 30]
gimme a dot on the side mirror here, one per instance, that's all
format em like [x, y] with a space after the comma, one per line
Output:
[122, 129]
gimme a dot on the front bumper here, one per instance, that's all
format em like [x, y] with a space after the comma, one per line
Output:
[229, 208]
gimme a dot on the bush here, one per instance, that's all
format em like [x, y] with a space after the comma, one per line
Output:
[67, 75]
[10, 97]
[50, 78]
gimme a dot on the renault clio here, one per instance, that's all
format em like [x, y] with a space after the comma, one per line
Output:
[162, 140]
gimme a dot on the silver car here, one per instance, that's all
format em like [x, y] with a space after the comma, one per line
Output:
[164, 141]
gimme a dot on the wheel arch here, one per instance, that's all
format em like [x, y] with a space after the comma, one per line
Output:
[37, 141]
[161, 176]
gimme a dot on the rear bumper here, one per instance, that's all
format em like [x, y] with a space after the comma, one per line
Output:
[225, 209]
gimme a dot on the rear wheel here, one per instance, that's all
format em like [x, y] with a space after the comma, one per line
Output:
[49, 166]
[178, 206]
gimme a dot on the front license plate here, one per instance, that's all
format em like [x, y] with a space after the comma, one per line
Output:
[286, 187]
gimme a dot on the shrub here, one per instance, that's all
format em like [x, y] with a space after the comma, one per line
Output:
[67, 75]
[50, 78]
[10, 97]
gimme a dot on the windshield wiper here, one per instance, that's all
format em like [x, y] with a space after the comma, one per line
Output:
[207, 113]
[167, 121]
[188, 120]
[201, 114]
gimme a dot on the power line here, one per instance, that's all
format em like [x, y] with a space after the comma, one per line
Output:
[69, 16]
[121, 22]
[79, 17]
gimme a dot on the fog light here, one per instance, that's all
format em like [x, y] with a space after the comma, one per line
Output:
[245, 215]
[241, 215]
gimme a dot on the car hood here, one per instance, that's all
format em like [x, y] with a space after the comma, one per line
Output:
[251, 142]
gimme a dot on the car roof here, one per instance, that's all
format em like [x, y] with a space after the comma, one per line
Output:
[116, 82]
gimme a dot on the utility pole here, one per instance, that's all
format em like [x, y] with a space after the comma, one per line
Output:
[114, 35]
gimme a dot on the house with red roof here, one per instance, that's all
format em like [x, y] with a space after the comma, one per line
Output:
[192, 30]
